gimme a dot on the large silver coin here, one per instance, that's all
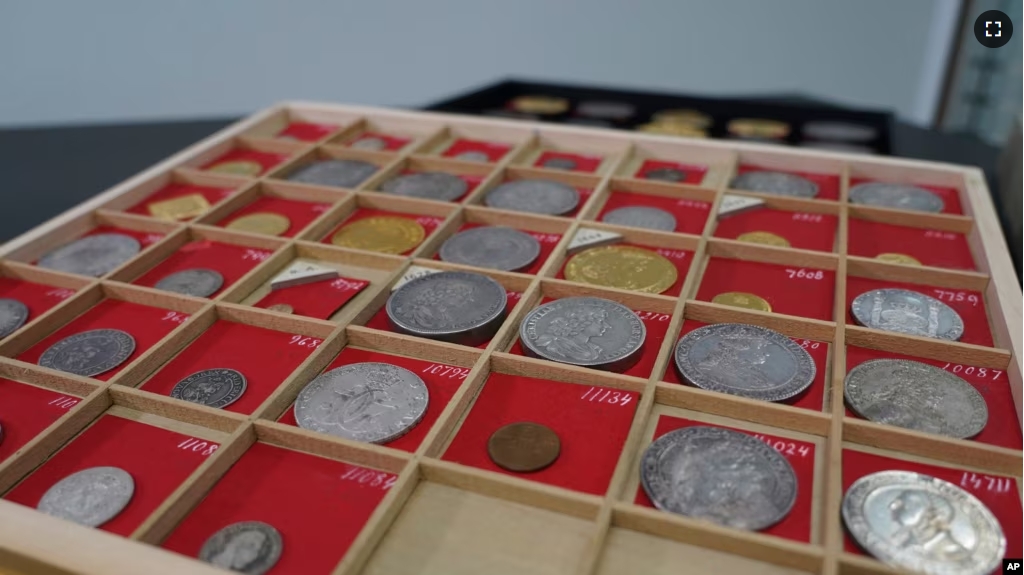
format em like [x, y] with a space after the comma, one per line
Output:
[916, 396]
[430, 185]
[90, 497]
[197, 282]
[95, 255]
[585, 331]
[909, 312]
[250, 547]
[212, 387]
[826, 130]
[926, 525]
[665, 175]
[89, 353]
[898, 196]
[778, 183]
[535, 196]
[745, 360]
[719, 475]
[337, 173]
[13, 315]
[641, 217]
[371, 402]
[493, 247]
[458, 307]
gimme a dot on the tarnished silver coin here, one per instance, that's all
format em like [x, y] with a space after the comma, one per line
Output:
[337, 173]
[843, 131]
[493, 247]
[95, 255]
[837, 147]
[560, 163]
[370, 143]
[585, 331]
[778, 183]
[212, 387]
[909, 312]
[89, 497]
[923, 524]
[196, 282]
[535, 196]
[917, 396]
[473, 156]
[430, 185]
[745, 360]
[665, 175]
[250, 547]
[641, 217]
[719, 475]
[89, 353]
[13, 315]
[458, 307]
[372, 402]
[606, 110]
[898, 196]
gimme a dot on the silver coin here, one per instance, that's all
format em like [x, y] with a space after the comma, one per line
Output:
[473, 156]
[585, 331]
[665, 175]
[745, 360]
[89, 497]
[196, 282]
[13, 315]
[917, 396]
[372, 402]
[89, 353]
[777, 183]
[923, 524]
[641, 217]
[560, 163]
[458, 307]
[250, 547]
[908, 312]
[492, 247]
[898, 196]
[336, 173]
[838, 147]
[430, 185]
[211, 387]
[719, 475]
[534, 196]
[95, 255]
[371, 143]
[827, 130]
[606, 110]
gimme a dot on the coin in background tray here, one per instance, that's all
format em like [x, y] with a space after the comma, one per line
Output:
[335, 173]
[180, 208]
[95, 255]
[898, 196]
[641, 217]
[908, 312]
[524, 447]
[539, 104]
[89, 497]
[536, 196]
[757, 129]
[453, 306]
[384, 234]
[776, 183]
[261, 223]
[428, 185]
[623, 267]
[13, 315]
[195, 282]
[249, 547]
[584, 331]
[492, 247]
[763, 238]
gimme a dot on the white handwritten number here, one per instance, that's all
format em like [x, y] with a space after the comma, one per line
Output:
[449, 371]
[988, 483]
[370, 477]
[957, 296]
[198, 446]
[178, 318]
[604, 395]
[303, 341]
[805, 274]
[785, 447]
[64, 402]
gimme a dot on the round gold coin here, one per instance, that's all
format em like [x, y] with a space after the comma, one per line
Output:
[742, 299]
[546, 105]
[896, 258]
[623, 267]
[524, 446]
[691, 118]
[672, 129]
[385, 234]
[758, 128]
[261, 223]
[766, 238]
[237, 168]
[180, 208]
[282, 308]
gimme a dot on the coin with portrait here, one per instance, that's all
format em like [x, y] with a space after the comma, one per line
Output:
[250, 547]
[585, 331]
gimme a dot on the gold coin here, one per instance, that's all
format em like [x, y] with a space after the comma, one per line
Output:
[282, 308]
[766, 238]
[758, 128]
[742, 299]
[895, 258]
[180, 208]
[623, 267]
[672, 129]
[680, 116]
[547, 105]
[385, 234]
[261, 223]
[237, 168]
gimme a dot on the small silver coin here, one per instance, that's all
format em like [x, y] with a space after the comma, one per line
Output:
[745, 360]
[89, 497]
[370, 143]
[665, 175]
[917, 396]
[777, 183]
[897, 196]
[534, 196]
[453, 306]
[196, 282]
[95, 255]
[907, 312]
[250, 547]
[372, 402]
[560, 163]
[584, 331]
[211, 387]
[641, 217]
[838, 147]
[89, 353]
[336, 173]
[13, 315]
[719, 475]
[842, 131]
[429, 185]
[606, 110]
[923, 524]
[473, 156]
[492, 247]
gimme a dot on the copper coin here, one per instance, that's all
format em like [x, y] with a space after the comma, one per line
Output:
[524, 447]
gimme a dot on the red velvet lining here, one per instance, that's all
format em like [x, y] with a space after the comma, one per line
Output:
[25, 411]
[229, 260]
[38, 298]
[171, 191]
[679, 258]
[547, 244]
[306, 132]
[583, 163]
[301, 214]
[828, 184]
[691, 215]
[694, 173]
[317, 299]
[429, 223]
[804, 231]
[380, 319]
[930, 247]
[781, 285]
[951, 196]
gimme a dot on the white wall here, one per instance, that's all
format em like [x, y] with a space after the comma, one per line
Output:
[103, 60]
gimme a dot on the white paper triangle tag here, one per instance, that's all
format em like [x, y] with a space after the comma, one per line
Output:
[591, 238]
[299, 273]
[733, 204]
[412, 273]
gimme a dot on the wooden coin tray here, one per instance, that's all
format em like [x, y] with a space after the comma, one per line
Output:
[432, 501]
